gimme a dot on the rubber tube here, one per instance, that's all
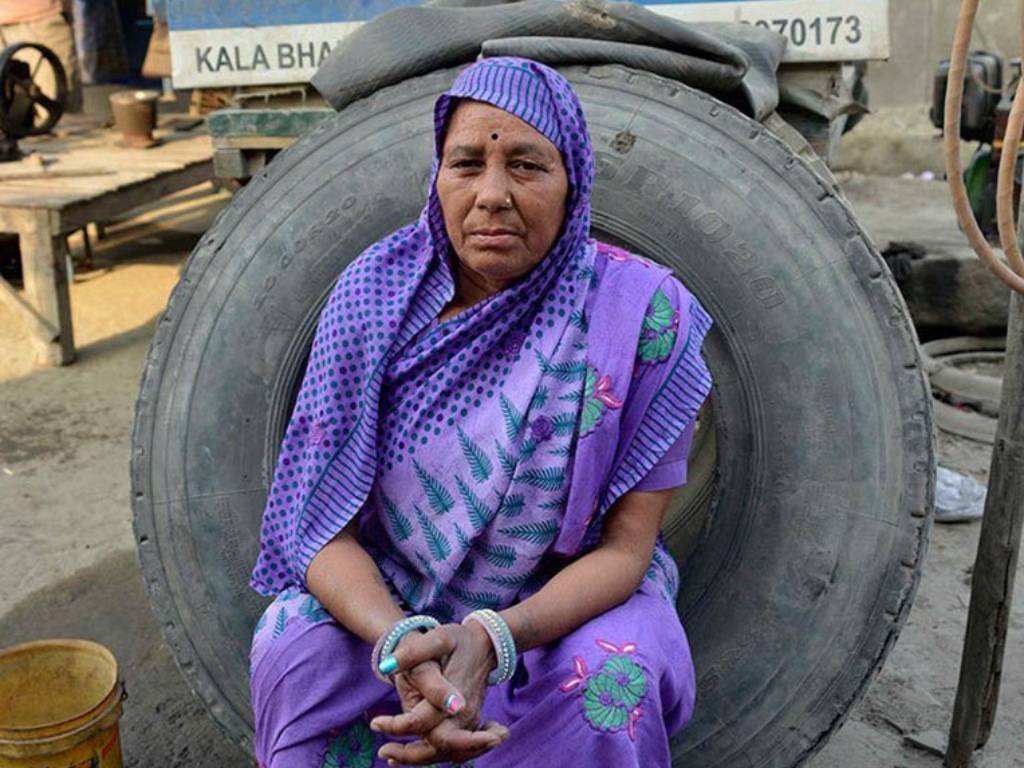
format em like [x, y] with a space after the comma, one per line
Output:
[1005, 215]
[951, 146]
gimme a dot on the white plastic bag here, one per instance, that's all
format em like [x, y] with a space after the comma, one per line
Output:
[958, 498]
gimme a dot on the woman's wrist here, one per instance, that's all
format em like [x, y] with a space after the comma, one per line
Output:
[482, 645]
[502, 643]
[524, 633]
[350, 586]
[382, 659]
[383, 622]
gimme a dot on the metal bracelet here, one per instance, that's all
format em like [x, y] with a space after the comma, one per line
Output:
[504, 644]
[387, 642]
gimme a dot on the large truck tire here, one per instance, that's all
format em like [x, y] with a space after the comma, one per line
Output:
[804, 525]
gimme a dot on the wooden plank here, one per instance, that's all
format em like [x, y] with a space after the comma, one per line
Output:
[125, 158]
[62, 173]
[58, 187]
[14, 190]
[44, 270]
[127, 191]
[95, 164]
[180, 153]
[34, 200]
[83, 187]
[70, 158]
[53, 195]
[105, 208]
[113, 160]
[100, 137]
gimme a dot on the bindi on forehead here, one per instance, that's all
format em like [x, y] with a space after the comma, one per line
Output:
[494, 136]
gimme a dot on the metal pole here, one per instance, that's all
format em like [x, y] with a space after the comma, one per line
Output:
[992, 584]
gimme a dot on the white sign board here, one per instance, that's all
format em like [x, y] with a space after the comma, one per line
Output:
[215, 58]
[263, 54]
[817, 30]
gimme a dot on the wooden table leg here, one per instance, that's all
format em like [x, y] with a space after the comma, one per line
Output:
[44, 270]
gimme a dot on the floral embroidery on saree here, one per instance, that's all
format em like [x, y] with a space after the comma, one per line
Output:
[658, 332]
[620, 254]
[353, 747]
[597, 398]
[612, 696]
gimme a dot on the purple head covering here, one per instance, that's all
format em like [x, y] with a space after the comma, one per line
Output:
[541, 97]
[332, 449]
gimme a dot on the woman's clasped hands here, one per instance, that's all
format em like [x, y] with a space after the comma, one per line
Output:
[441, 679]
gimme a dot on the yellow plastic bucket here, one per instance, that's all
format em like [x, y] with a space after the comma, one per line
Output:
[60, 701]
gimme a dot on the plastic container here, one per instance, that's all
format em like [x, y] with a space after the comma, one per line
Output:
[60, 703]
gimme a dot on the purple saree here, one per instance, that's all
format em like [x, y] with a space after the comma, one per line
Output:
[480, 454]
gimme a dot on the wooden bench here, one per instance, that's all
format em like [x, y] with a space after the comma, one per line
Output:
[80, 176]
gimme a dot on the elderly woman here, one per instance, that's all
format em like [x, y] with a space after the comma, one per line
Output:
[462, 531]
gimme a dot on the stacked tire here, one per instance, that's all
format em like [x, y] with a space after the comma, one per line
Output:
[805, 521]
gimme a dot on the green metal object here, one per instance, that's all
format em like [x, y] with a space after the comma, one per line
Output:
[976, 177]
[284, 123]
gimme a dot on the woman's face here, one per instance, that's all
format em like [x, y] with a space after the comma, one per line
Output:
[502, 187]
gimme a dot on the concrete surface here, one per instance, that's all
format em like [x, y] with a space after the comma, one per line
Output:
[70, 569]
[896, 140]
[69, 562]
[922, 35]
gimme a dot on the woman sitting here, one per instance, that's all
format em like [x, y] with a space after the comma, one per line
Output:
[467, 500]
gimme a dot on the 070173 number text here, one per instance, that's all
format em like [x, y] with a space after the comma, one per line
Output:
[817, 30]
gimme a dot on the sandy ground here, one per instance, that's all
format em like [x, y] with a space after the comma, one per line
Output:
[70, 568]
[895, 140]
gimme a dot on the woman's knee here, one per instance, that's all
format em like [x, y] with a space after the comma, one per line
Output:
[628, 662]
[307, 680]
[293, 609]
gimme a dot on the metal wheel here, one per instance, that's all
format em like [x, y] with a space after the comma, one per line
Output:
[25, 109]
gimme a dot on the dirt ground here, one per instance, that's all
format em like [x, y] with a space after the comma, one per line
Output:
[68, 553]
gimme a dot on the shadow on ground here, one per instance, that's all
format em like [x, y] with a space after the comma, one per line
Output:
[163, 723]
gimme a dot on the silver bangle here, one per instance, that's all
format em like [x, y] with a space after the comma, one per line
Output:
[387, 642]
[502, 640]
